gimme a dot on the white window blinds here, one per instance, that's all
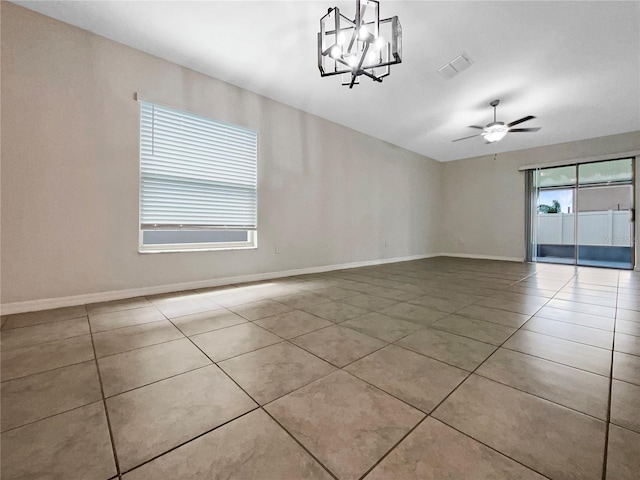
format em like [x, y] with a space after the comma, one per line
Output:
[195, 172]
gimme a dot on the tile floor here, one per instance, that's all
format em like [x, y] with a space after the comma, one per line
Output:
[431, 369]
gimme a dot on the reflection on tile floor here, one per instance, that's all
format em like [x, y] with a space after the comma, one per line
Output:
[429, 369]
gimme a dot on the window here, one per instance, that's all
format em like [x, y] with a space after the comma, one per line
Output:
[198, 182]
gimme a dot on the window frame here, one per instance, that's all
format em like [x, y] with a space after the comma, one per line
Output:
[252, 235]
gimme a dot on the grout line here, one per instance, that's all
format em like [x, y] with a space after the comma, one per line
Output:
[5, 330]
[608, 423]
[52, 415]
[541, 397]
[190, 440]
[440, 403]
[259, 406]
[299, 443]
[104, 405]
[471, 278]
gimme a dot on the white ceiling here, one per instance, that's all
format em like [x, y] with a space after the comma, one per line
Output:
[574, 65]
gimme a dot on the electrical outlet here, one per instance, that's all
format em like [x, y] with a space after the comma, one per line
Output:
[277, 249]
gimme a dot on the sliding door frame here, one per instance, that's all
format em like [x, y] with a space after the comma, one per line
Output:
[531, 203]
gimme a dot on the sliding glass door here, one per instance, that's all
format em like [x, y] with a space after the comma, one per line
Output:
[583, 214]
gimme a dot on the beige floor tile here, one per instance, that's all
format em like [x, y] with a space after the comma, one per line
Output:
[608, 312]
[578, 355]
[250, 447]
[369, 302]
[382, 326]
[125, 318]
[394, 294]
[72, 446]
[345, 423]
[493, 315]
[302, 300]
[188, 306]
[629, 304]
[573, 388]
[510, 306]
[129, 338]
[569, 331]
[626, 367]
[434, 451]
[531, 300]
[452, 295]
[207, 321]
[24, 361]
[135, 368]
[578, 318]
[229, 342]
[44, 316]
[628, 327]
[413, 378]
[628, 315]
[263, 308]
[42, 395]
[335, 293]
[235, 296]
[453, 349]
[625, 405]
[46, 332]
[477, 329]
[335, 311]
[623, 455]
[414, 313]
[337, 345]
[441, 304]
[553, 440]
[148, 421]
[627, 344]
[603, 301]
[293, 324]
[273, 371]
[118, 305]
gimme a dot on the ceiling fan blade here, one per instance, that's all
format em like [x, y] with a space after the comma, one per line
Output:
[475, 126]
[523, 119]
[464, 138]
[535, 129]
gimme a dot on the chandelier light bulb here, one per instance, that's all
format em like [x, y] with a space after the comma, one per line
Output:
[364, 45]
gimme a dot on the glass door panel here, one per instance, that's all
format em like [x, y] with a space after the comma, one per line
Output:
[605, 214]
[554, 217]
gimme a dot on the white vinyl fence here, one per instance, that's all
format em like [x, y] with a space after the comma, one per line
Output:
[594, 228]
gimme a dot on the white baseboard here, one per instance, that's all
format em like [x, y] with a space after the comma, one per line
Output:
[482, 257]
[48, 303]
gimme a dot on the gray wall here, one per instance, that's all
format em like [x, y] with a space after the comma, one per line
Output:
[327, 195]
[483, 203]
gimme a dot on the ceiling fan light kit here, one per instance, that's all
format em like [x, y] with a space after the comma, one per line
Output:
[365, 45]
[496, 131]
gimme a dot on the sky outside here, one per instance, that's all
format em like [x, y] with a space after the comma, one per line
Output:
[564, 197]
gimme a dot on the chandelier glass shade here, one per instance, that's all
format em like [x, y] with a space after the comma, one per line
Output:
[365, 45]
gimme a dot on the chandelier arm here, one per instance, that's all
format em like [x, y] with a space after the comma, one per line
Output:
[371, 76]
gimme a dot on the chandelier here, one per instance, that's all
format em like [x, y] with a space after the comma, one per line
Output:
[365, 45]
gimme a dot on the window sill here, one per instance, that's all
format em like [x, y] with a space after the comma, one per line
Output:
[187, 250]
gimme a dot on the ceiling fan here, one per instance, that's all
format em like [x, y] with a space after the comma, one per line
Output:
[495, 131]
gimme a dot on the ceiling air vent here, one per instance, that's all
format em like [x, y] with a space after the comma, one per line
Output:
[455, 66]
